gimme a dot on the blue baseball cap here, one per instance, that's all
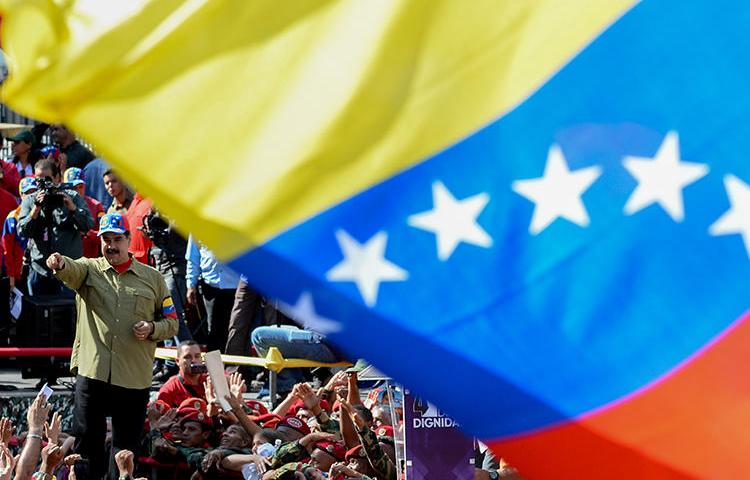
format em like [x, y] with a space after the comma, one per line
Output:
[113, 222]
[74, 175]
[28, 184]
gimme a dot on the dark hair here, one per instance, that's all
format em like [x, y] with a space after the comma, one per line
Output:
[108, 171]
[364, 411]
[81, 469]
[186, 343]
[46, 164]
[270, 434]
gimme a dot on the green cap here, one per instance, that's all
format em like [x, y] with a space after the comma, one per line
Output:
[23, 136]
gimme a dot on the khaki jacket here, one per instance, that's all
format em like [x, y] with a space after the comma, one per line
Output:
[108, 305]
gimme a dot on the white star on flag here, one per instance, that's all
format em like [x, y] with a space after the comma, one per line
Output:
[737, 218]
[453, 221]
[365, 265]
[661, 179]
[557, 193]
[304, 312]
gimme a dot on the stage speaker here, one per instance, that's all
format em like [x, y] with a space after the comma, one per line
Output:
[46, 321]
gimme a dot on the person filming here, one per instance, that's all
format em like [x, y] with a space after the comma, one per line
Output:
[53, 220]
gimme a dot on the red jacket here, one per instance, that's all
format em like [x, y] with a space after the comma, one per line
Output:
[10, 179]
[13, 245]
[90, 240]
[175, 390]
[140, 244]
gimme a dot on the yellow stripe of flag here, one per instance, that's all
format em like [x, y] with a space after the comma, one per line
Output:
[243, 118]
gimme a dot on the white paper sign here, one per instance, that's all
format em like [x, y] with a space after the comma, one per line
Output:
[215, 367]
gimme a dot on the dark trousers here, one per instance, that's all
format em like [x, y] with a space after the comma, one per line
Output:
[39, 284]
[94, 402]
[244, 317]
[178, 289]
[218, 302]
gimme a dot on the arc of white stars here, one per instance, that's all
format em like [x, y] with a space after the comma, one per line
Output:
[736, 220]
[365, 265]
[453, 221]
[558, 192]
[304, 312]
[662, 178]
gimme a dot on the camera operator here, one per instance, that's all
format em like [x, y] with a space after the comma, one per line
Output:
[168, 254]
[53, 220]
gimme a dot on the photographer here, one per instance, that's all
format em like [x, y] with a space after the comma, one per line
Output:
[168, 255]
[53, 220]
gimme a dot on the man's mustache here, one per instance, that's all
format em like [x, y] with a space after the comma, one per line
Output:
[112, 250]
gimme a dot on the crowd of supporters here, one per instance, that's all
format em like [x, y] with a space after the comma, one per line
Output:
[51, 196]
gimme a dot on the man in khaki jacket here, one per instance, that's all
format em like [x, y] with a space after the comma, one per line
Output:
[124, 308]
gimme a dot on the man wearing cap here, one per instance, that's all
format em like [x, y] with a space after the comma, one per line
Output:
[123, 308]
[52, 223]
[23, 155]
[14, 245]
[76, 154]
[74, 176]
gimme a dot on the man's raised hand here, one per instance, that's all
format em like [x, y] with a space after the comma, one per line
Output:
[55, 262]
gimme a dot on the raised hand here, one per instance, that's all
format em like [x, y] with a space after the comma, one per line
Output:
[124, 461]
[6, 430]
[212, 400]
[153, 414]
[214, 457]
[237, 385]
[7, 462]
[165, 421]
[71, 459]
[52, 429]
[308, 397]
[346, 408]
[37, 414]
[337, 380]
[51, 456]
[55, 262]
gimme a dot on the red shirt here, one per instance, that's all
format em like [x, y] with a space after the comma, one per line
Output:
[91, 242]
[11, 177]
[8, 203]
[140, 244]
[176, 390]
[13, 245]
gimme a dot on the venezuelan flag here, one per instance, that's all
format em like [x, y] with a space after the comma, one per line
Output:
[167, 308]
[543, 205]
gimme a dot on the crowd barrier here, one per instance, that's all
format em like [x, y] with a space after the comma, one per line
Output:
[35, 352]
[274, 362]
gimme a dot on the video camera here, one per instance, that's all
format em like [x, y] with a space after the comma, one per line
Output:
[53, 192]
[156, 228]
